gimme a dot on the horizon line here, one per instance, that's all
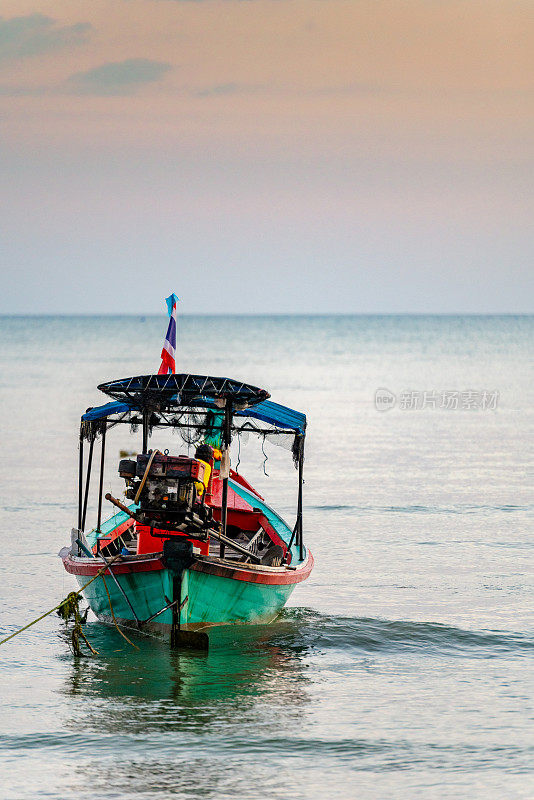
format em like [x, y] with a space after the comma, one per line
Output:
[89, 314]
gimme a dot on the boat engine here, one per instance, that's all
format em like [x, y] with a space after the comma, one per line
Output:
[172, 493]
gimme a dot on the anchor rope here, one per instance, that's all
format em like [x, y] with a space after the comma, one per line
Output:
[113, 615]
[62, 603]
[71, 608]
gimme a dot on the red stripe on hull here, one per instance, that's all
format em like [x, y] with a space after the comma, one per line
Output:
[279, 577]
[89, 567]
[276, 576]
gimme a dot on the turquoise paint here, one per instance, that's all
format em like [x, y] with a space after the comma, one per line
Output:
[216, 599]
[145, 590]
[208, 598]
[279, 524]
[109, 525]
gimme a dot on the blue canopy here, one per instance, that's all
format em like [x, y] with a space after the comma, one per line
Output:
[101, 412]
[267, 411]
[277, 415]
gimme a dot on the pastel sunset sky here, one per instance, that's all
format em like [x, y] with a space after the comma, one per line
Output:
[267, 155]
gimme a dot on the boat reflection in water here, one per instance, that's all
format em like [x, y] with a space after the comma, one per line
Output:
[157, 717]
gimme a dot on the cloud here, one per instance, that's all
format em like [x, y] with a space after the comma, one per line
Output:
[34, 34]
[118, 78]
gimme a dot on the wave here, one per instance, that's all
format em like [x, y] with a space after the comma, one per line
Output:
[375, 754]
[311, 629]
[422, 509]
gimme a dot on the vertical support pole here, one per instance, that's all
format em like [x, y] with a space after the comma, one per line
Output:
[176, 612]
[224, 513]
[227, 438]
[87, 482]
[145, 431]
[80, 479]
[299, 502]
[101, 477]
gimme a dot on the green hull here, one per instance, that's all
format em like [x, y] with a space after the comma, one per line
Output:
[205, 599]
[209, 592]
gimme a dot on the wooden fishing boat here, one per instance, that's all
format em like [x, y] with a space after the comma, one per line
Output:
[193, 544]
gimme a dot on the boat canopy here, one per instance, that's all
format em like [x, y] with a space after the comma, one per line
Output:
[173, 391]
[189, 394]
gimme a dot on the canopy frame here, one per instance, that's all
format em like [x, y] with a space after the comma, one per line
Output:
[169, 401]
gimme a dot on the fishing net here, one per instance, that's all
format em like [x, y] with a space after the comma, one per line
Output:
[199, 425]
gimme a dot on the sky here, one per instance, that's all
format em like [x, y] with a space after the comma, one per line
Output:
[267, 156]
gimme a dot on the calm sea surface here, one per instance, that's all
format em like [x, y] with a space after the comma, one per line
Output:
[403, 666]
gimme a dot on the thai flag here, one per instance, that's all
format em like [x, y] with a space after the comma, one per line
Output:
[168, 364]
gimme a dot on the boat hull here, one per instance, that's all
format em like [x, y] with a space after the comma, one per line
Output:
[208, 592]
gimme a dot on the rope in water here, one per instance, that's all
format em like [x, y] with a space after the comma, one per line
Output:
[113, 615]
[70, 608]
[47, 613]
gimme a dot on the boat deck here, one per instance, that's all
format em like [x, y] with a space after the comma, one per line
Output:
[128, 540]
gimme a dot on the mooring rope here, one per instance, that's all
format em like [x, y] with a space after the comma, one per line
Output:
[113, 615]
[67, 599]
[70, 607]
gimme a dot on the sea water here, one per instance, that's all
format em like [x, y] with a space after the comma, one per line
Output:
[401, 669]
